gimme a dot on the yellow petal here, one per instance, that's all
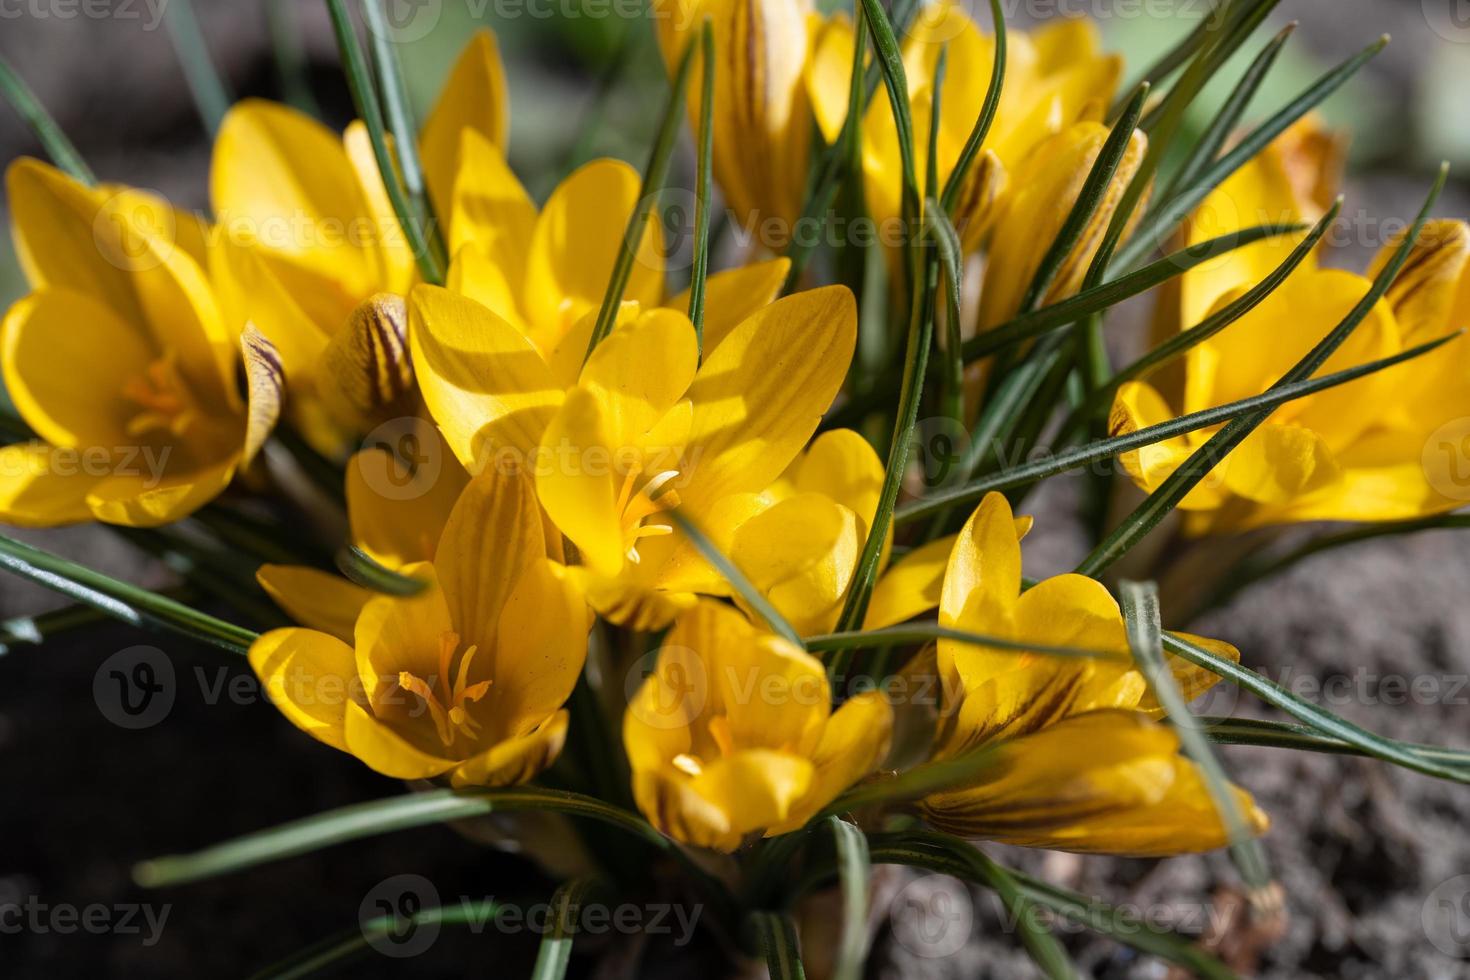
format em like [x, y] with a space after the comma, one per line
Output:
[473, 99]
[386, 751]
[309, 676]
[136, 497]
[364, 374]
[575, 243]
[734, 294]
[672, 806]
[829, 74]
[575, 481]
[854, 742]
[1138, 405]
[43, 486]
[843, 466]
[253, 293]
[758, 398]
[755, 788]
[639, 372]
[1425, 292]
[325, 602]
[492, 212]
[911, 586]
[801, 554]
[985, 562]
[482, 380]
[283, 180]
[540, 645]
[1276, 463]
[380, 231]
[515, 760]
[397, 513]
[266, 386]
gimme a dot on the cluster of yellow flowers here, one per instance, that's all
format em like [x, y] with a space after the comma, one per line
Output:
[561, 462]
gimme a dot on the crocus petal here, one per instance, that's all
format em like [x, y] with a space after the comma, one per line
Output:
[672, 806]
[492, 212]
[402, 633]
[515, 760]
[42, 486]
[309, 677]
[985, 562]
[482, 380]
[473, 100]
[911, 586]
[759, 396]
[755, 788]
[1138, 405]
[639, 372]
[398, 514]
[380, 232]
[325, 602]
[575, 481]
[386, 751]
[576, 241]
[1425, 292]
[135, 496]
[540, 645]
[801, 554]
[734, 294]
[1276, 463]
[854, 742]
[265, 384]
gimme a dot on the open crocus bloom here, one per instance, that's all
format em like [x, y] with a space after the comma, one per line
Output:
[1080, 763]
[1384, 447]
[733, 733]
[469, 677]
[642, 427]
[119, 361]
[1054, 78]
[312, 252]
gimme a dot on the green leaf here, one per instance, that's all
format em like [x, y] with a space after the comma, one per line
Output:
[983, 121]
[555, 954]
[702, 185]
[1283, 735]
[365, 98]
[211, 95]
[1118, 924]
[60, 149]
[922, 780]
[1156, 225]
[364, 570]
[1144, 627]
[654, 176]
[290, 56]
[926, 632]
[775, 936]
[1179, 483]
[853, 872]
[1073, 458]
[736, 578]
[952, 379]
[119, 600]
[1318, 719]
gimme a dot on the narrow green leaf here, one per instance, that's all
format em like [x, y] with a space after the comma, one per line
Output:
[23, 631]
[654, 176]
[555, 954]
[1071, 459]
[60, 149]
[1143, 623]
[922, 780]
[702, 185]
[1317, 718]
[1119, 924]
[853, 872]
[1178, 484]
[211, 95]
[1283, 735]
[120, 600]
[291, 67]
[910, 633]
[736, 578]
[952, 377]
[367, 572]
[1178, 55]
[365, 98]
[983, 121]
[1157, 224]
[775, 936]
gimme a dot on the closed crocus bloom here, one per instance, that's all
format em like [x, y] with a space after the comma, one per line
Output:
[312, 252]
[466, 679]
[762, 116]
[119, 360]
[1361, 451]
[1080, 763]
[641, 427]
[1055, 77]
[733, 733]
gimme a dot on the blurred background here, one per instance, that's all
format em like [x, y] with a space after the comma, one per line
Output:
[1362, 850]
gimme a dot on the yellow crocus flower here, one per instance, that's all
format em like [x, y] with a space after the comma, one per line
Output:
[1080, 763]
[312, 252]
[1055, 77]
[1375, 449]
[119, 360]
[642, 427]
[733, 733]
[466, 679]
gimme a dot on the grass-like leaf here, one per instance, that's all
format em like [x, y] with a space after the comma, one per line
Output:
[555, 954]
[853, 872]
[654, 176]
[1143, 623]
[363, 569]
[700, 272]
[290, 56]
[210, 93]
[117, 599]
[926, 632]
[775, 937]
[1316, 718]
[952, 374]
[365, 98]
[1179, 483]
[1283, 735]
[60, 149]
